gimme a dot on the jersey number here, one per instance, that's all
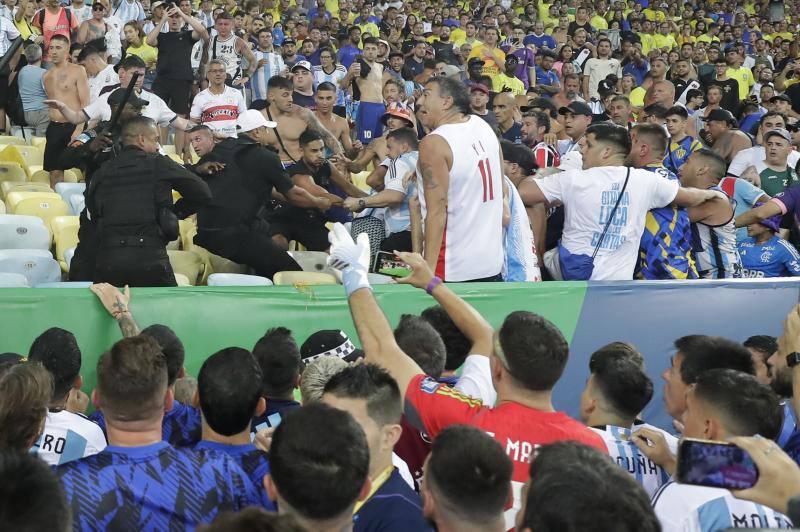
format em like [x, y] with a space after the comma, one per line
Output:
[486, 177]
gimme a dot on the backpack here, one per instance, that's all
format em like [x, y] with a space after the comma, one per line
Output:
[40, 18]
[14, 109]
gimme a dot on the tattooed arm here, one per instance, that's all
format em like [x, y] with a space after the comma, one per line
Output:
[116, 303]
[327, 137]
[435, 160]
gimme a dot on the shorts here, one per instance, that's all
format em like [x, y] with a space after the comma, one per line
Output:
[306, 227]
[58, 135]
[368, 121]
[3, 94]
[177, 93]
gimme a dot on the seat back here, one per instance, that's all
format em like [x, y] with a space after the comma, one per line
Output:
[312, 261]
[36, 268]
[24, 236]
[303, 278]
[15, 196]
[13, 280]
[65, 190]
[12, 171]
[188, 264]
[23, 186]
[77, 203]
[44, 208]
[237, 279]
[11, 139]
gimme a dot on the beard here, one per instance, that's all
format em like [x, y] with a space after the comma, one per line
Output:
[782, 382]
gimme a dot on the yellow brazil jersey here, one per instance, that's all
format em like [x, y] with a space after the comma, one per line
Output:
[744, 76]
[494, 60]
[637, 97]
[664, 41]
[370, 28]
[598, 22]
[501, 81]
[458, 36]
[654, 16]
[647, 42]
[332, 7]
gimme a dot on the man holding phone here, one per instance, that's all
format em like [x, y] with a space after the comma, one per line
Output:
[722, 404]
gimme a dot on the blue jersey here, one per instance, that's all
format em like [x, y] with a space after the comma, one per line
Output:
[276, 409]
[253, 461]
[774, 258]
[153, 488]
[678, 152]
[181, 426]
[394, 507]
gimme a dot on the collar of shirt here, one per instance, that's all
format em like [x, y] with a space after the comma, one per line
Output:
[379, 481]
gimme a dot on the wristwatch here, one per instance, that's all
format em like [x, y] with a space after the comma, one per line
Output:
[361, 203]
[793, 359]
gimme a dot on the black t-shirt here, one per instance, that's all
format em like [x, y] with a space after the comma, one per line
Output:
[303, 100]
[514, 133]
[730, 94]
[322, 178]
[414, 66]
[793, 92]
[444, 52]
[573, 26]
[174, 55]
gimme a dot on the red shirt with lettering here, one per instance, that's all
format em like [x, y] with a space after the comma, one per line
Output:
[54, 24]
[433, 406]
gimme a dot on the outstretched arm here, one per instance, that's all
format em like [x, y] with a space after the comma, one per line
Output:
[763, 212]
[116, 303]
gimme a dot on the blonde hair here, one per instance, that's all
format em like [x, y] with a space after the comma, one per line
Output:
[316, 375]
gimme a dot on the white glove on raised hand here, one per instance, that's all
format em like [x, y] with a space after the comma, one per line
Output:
[350, 257]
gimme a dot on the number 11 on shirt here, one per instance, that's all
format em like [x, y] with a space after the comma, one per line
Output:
[486, 177]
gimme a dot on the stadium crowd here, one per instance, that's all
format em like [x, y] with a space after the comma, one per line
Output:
[565, 141]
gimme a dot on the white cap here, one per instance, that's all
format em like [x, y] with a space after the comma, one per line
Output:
[252, 119]
[302, 64]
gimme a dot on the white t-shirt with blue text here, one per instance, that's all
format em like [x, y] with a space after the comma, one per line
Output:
[397, 218]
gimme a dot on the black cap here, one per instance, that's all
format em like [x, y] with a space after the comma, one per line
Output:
[512, 58]
[720, 115]
[605, 87]
[780, 97]
[288, 41]
[656, 109]
[332, 342]
[576, 108]
[117, 95]
[476, 61]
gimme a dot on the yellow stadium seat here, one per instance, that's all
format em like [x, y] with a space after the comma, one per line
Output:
[79, 173]
[71, 176]
[22, 186]
[2, 207]
[175, 157]
[40, 176]
[182, 280]
[32, 155]
[303, 278]
[59, 223]
[169, 149]
[14, 197]
[188, 264]
[38, 142]
[44, 208]
[12, 171]
[360, 180]
[66, 238]
[11, 139]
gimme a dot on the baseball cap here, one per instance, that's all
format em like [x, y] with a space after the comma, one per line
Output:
[511, 58]
[773, 222]
[117, 95]
[720, 115]
[576, 108]
[476, 61]
[302, 64]
[605, 87]
[288, 41]
[252, 119]
[780, 132]
[156, 4]
[780, 97]
[330, 342]
[479, 87]
[397, 111]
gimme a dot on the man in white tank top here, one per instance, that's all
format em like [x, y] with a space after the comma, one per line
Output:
[460, 187]
[231, 49]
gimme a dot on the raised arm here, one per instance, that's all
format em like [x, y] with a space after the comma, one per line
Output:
[116, 303]
[693, 197]
[73, 116]
[763, 212]
[152, 37]
[327, 137]
[199, 31]
[435, 172]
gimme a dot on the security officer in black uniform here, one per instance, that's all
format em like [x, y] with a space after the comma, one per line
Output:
[130, 200]
[89, 151]
[242, 181]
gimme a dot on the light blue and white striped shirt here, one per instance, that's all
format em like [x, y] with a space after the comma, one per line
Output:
[272, 67]
[335, 77]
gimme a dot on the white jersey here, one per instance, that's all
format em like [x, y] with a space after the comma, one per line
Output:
[687, 508]
[397, 217]
[474, 219]
[67, 437]
[218, 111]
[105, 78]
[155, 109]
[225, 50]
[81, 14]
[521, 263]
[753, 156]
[335, 77]
[589, 197]
[273, 66]
[626, 455]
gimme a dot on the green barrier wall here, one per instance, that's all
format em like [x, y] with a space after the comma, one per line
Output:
[210, 318]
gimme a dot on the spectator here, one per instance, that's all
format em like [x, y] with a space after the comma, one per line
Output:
[316, 375]
[577, 117]
[478, 100]
[318, 487]
[547, 81]
[775, 174]
[279, 358]
[762, 347]
[162, 485]
[756, 154]
[25, 393]
[726, 139]
[575, 487]
[219, 105]
[54, 20]
[31, 91]
[32, 497]
[493, 57]
[372, 397]
[67, 434]
[521, 263]
[505, 109]
[229, 394]
[681, 145]
[535, 125]
[765, 254]
[467, 481]
[269, 63]
[348, 52]
[620, 110]
[506, 81]
[597, 69]
[101, 76]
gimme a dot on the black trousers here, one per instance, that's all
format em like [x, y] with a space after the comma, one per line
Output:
[82, 266]
[397, 242]
[251, 246]
[133, 266]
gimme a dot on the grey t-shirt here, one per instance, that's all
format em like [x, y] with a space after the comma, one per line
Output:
[31, 88]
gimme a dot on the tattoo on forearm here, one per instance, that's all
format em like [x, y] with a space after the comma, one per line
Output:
[427, 176]
[128, 325]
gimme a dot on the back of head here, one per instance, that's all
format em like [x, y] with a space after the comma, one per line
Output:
[405, 135]
[624, 387]
[469, 474]
[253, 519]
[714, 161]
[25, 392]
[57, 350]
[31, 496]
[701, 353]
[654, 135]
[457, 346]
[279, 83]
[615, 351]
[532, 349]
[745, 406]
[575, 487]
[132, 380]
[420, 341]
[279, 357]
[373, 385]
[308, 136]
[138, 125]
[171, 346]
[764, 344]
[229, 386]
[455, 89]
[131, 61]
[33, 53]
[611, 135]
[319, 461]
[316, 375]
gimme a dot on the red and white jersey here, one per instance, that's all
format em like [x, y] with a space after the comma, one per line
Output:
[431, 406]
[472, 244]
[219, 111]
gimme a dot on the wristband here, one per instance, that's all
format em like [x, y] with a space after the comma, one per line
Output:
[432, 285]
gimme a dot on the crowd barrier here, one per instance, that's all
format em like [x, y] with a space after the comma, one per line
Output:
[648, 314]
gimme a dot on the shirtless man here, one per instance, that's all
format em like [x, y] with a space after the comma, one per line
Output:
[95, 27]
[292, 121]
[369, 76]
[727, 140]
[325, 100]
[67, 81]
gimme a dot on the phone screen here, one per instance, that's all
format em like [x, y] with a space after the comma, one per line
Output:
[716, 464]
[388, 264]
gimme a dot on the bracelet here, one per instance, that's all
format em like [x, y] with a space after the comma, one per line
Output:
[432, 285]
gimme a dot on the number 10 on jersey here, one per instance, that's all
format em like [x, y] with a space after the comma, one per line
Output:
[486, 177]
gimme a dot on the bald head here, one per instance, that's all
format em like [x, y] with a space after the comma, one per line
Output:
[662, 92]
[504, 107]
[142, 133]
